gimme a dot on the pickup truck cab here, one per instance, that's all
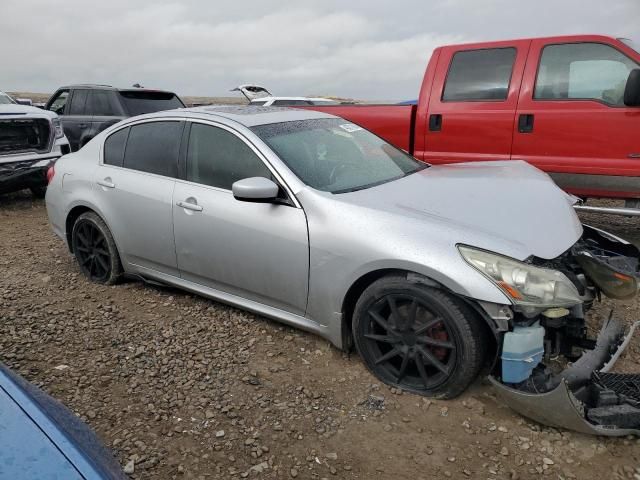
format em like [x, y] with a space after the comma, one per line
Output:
[568, 105]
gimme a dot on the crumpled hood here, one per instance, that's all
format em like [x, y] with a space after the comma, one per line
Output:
[491, 201]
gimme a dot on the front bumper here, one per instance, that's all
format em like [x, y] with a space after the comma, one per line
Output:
[581, 400]
[26, 174]
[585, 396]
[29, 170]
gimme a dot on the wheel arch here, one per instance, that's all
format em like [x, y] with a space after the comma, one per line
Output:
[73, 215]
[360, 285]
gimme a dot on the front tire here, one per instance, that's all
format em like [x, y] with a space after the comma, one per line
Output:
[95, 250]
[418, 338]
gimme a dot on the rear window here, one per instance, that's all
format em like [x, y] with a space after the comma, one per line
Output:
[477, 75]
[153, 147]
[138, 103]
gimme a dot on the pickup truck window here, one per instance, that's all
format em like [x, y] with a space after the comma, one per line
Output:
[583, 71]
[476, 75]
[335, 156]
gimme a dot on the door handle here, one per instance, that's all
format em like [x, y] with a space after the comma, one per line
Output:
[190, 206]
[107, 183]
[525, 123]
[82, 125]
[435, 122]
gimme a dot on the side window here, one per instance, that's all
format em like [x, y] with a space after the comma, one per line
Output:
[78, 100]
[153, 147]
[479, 75]
[59, 102]
[114, 147]
[99, 104]
[587, 71]
[219, 158]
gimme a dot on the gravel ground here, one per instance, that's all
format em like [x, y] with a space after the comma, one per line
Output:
[183, 387]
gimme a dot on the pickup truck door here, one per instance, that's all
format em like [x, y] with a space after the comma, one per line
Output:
[571, 120]
[473, 101]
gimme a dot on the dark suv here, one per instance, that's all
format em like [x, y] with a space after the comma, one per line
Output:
[86, 110]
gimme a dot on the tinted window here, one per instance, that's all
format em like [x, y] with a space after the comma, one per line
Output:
[479, 75]
[59, 102]
[99, 104]
[78, 100]
[114, 147]
[219, 158]
[140, 102]
[336, 156]
[153, 147]
[583, 71]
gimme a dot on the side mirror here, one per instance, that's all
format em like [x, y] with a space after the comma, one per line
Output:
[255, 189]
[24, 101]
[632, 90]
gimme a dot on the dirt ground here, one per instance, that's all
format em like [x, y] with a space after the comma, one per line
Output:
[183, 387]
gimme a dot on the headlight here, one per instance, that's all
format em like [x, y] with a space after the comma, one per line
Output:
[528, 286]
[57, 126]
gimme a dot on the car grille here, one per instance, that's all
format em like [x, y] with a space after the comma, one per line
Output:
[24, 135]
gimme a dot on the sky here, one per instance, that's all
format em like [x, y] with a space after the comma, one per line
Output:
[371, 50]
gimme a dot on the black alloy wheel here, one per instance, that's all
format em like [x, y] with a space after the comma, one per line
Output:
[95, 249]
[418, 338]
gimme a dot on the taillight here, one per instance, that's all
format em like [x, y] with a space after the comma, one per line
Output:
[51, 171]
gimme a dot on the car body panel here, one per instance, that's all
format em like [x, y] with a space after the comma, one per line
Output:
[43, 439]
[259, 251]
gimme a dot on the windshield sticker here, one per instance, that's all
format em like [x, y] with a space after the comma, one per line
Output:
[350, 127]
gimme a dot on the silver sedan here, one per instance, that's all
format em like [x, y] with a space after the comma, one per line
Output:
[431, 272]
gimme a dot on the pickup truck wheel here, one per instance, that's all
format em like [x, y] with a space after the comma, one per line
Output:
[418, 338]
[95, 249]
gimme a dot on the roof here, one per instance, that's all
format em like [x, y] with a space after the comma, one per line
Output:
[251, 115]
[96, 86]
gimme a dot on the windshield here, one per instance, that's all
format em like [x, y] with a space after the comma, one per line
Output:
[631, 43]
[5, 99]
[140, 102]
[335, 156]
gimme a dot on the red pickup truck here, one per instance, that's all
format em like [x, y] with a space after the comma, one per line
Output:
[568, 105]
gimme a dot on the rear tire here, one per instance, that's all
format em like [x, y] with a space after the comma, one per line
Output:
[95, 250]
[418, 338]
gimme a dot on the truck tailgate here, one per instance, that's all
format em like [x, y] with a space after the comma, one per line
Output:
[394, 123]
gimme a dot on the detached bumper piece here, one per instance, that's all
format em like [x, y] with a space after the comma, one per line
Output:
[585, 397]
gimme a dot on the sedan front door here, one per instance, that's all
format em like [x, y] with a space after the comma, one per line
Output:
[258, 251]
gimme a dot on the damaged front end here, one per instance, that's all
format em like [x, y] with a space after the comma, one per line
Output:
[551, 371]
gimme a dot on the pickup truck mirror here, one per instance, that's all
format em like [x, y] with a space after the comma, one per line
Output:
[632, 90]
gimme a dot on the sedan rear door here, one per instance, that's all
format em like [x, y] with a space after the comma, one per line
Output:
[134, 184]
[257, 251]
